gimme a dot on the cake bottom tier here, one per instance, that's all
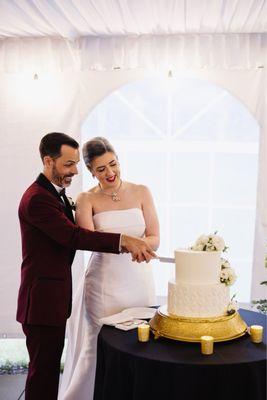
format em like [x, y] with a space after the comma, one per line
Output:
[199, 301]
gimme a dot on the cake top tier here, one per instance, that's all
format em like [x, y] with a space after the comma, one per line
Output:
[197, 267]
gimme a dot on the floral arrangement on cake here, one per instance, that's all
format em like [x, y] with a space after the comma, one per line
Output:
[209, 243]
[213, 242]
[232, 306]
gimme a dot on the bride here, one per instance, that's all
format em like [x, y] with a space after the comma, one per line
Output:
[112, 282]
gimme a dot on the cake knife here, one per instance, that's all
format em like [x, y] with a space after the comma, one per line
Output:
[166, 259]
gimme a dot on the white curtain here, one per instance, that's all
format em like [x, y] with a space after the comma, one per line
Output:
[174, 51]
[72, 19]
[28, 110]
[230, 51]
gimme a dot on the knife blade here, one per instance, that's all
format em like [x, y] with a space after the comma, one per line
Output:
[167, 260]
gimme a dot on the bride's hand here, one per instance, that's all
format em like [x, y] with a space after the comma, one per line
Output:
[139, 249]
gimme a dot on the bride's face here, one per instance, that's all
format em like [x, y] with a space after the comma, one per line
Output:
[106, 169]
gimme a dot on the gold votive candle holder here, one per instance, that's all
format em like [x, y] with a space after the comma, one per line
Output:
[256, 333]
[143, 332]
[207, 345]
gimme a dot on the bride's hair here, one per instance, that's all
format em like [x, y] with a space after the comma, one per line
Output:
[94, 148]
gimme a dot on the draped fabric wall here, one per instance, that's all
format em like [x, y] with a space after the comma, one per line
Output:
[72, 19]
[238, 51]
[28, 110]
[63, 95]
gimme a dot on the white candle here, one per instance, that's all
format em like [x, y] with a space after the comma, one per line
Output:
[206, 345]
[256, 333]
[143, 332]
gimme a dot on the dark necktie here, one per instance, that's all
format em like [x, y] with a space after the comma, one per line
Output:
[67, 205]
[62, 194]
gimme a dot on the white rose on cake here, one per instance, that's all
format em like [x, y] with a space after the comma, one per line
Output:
[200, 243]
[197, 247]
[209, 243]
[217, 242]
[228, 275]
[202, 240]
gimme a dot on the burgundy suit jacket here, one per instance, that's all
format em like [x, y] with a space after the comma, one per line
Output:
[49, 240]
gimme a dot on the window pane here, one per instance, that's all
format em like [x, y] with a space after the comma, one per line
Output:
[115, 119]
[190, 178]
[186, 224]
[150, 170]
[237, 227]
[242, 286]
[235, 179]
[149, 100]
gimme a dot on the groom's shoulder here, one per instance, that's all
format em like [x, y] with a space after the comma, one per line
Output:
[34, 189]
[35, 192]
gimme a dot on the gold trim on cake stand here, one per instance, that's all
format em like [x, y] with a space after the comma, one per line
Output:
[222, 328]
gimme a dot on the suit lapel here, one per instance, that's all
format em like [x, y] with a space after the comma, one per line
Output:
[45, 183]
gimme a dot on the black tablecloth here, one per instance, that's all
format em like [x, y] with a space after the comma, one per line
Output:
[172, 370]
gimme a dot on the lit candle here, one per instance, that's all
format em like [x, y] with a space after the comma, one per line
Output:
[256, 333]
[206, 344]
[143, 332]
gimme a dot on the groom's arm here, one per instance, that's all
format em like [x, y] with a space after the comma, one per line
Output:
[46, 214]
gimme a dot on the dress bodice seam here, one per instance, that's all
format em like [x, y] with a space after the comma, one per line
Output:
[123, 209]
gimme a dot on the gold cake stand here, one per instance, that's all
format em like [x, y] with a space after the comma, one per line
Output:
[222, 328]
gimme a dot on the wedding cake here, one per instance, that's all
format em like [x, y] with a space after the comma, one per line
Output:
[199, 301]
[202, 279]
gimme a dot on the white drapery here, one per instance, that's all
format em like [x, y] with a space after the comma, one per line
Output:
[230, 51]
[72, 19]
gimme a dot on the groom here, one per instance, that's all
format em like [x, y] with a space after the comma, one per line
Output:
[49, 240]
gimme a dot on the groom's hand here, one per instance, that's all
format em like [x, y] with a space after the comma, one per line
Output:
[139, 249]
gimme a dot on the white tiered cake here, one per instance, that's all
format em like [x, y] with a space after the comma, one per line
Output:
[199, 297]
[197, 290]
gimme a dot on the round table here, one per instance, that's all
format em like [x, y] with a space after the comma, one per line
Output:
[167, 369]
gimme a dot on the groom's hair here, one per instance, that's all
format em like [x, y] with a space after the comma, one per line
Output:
[51, 143]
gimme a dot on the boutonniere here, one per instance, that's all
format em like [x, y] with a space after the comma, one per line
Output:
[72, 204]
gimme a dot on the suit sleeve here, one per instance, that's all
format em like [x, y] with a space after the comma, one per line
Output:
[45, 214]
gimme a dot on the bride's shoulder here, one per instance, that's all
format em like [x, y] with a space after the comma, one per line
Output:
[138, 188]
[86, 196]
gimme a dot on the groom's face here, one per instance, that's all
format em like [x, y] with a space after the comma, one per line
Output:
[63, 168]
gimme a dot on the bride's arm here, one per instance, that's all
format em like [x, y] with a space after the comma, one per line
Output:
[151, 218]
[84, 212]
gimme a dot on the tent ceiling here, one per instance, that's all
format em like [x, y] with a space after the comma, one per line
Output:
[75, 18]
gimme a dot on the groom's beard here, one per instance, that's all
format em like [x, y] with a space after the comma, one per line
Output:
[61, 180]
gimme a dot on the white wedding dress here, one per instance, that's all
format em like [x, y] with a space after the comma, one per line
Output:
[112, 283]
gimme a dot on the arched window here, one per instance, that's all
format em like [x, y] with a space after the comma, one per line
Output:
[196, 147]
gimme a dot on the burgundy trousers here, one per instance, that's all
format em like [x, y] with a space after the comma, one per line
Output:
[45, 345]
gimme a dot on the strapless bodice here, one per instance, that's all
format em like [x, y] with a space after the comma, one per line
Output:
[129, 221]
